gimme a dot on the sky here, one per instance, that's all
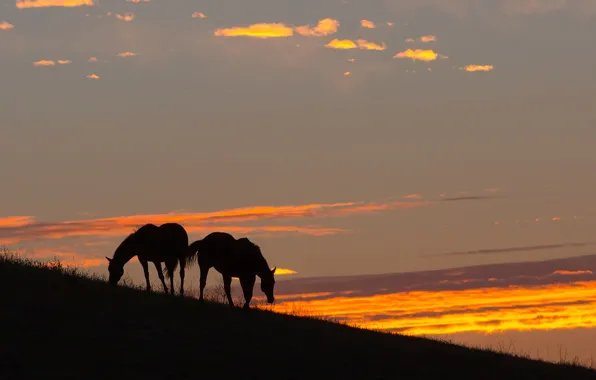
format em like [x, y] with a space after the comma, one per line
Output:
[371, 149]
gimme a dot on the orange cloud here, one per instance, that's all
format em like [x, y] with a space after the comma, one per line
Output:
[23, 4]
[413, 196]
[325, 27]
[128, 16]
[16, 221]
[138, 1]
[418, 54]
[473, 68]
[64, 61]
[28, 229]
[341, 44]
[358, 44]
[92, 59]
[554, 306]
[92, 76]
[198, 15]
[283, 271]
[4, 25]
[347, 73]
[367, 45]
[263, 30]
[367, 24]
[44, 62]
[427, 39]
[127, 54]
[389, 23]
[563, 272]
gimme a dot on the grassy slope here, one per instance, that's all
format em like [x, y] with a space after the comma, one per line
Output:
[54, 324]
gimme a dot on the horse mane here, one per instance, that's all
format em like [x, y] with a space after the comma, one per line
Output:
[255, 250]
[123, 247]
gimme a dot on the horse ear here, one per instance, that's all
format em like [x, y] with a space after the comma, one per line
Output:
[110, 260]
[273, 271]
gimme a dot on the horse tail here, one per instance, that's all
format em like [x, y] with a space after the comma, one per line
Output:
[192, 253]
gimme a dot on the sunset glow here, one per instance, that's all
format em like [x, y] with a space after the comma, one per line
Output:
[556, 306]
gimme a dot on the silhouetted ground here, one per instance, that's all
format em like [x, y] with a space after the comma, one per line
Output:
[57, 325]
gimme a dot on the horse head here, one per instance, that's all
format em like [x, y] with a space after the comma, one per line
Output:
[116, 271]
[268, 283]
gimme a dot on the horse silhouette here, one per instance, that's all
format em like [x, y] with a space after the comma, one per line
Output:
[233, 257]
[167, 244]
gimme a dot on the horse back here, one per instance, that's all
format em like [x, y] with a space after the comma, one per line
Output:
[174, 235]
[228, 255]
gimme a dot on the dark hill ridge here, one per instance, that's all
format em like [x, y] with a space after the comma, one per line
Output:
[59, 325]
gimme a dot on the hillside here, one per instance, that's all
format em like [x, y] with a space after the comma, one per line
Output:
[59, 325]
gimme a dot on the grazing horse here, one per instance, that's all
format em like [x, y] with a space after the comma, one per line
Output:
[167, 244]
[232, 257]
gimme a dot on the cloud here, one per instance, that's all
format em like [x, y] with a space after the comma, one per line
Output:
[526, 248]
[563, 272]
[44, 62]
[16, 221]
[413, 196]
[358, 44]
[138, 1]
[128, 16]
[24, 4]
[92, 59]
[64, 61]
[469, 198]
[28, 229]
[92, 76]
[367, 24]
[284, 271]
[5, 25]
[325, 27]
[341, 44]
[418, 54]
[367, 45]
[198, 15]
[263, 30]
[499, 297]
[410, 40]
[473, 68]
[347, 73]
[127, 54]
[427, 39]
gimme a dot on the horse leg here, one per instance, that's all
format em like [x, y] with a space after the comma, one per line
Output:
[204, 271]
[228, 289]
[170, 266]
[247, 284]
[161, 277]
[182, 265]
[145, 266]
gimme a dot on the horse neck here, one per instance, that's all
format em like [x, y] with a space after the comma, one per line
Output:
[262, 267]
[125, 251]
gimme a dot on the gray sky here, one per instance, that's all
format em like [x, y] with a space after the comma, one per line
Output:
[194, 124]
